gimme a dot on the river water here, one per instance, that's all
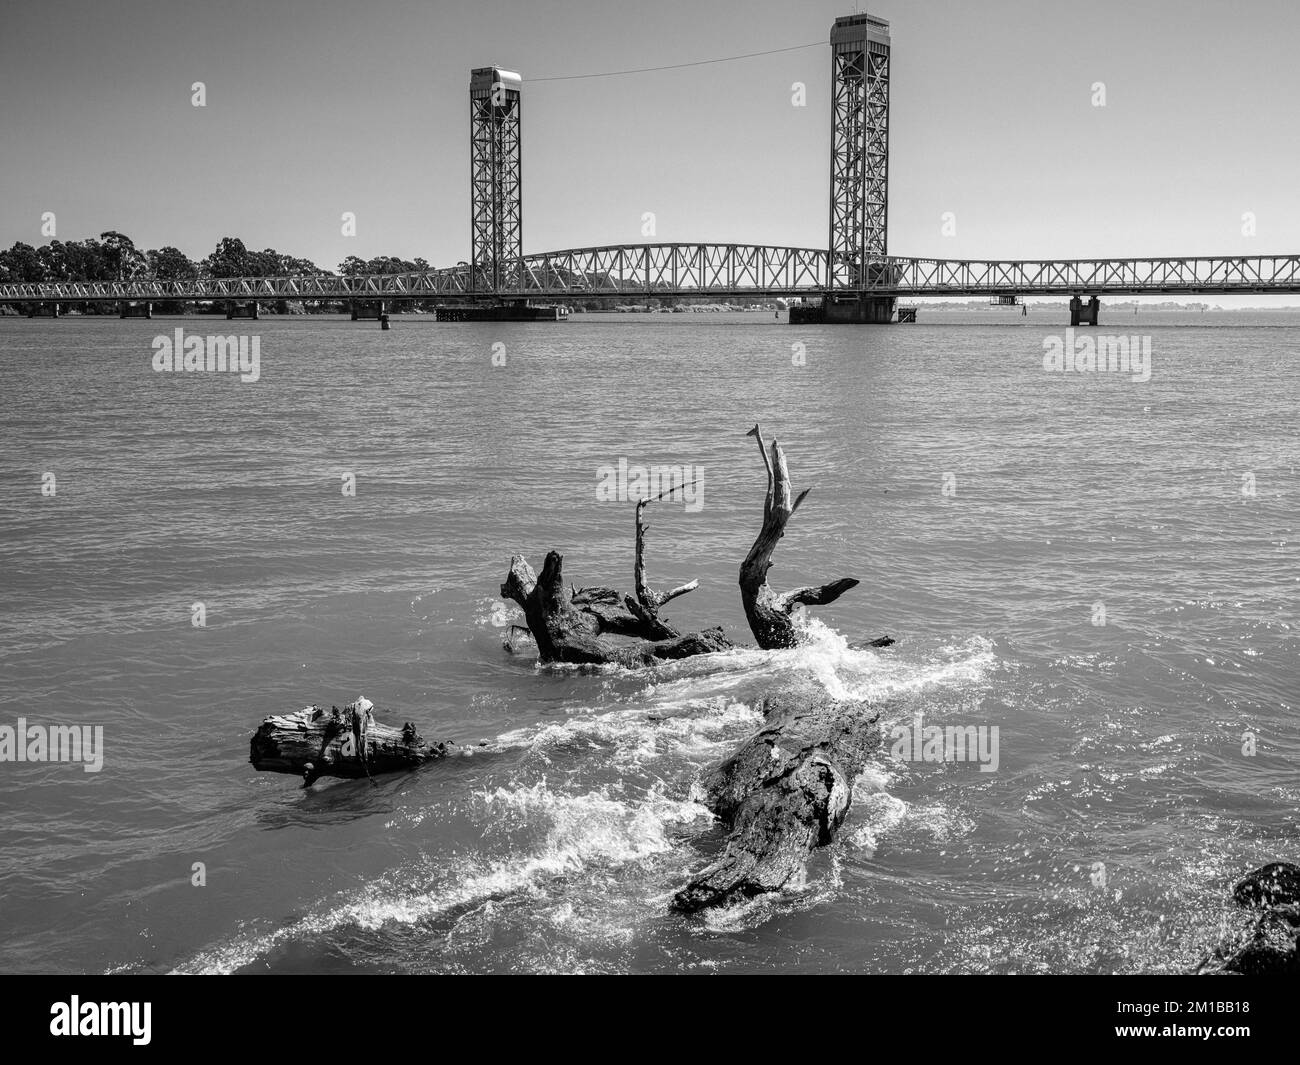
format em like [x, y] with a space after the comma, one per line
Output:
[1103, 569]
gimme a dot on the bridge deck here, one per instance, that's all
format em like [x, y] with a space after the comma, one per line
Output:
[720, 270]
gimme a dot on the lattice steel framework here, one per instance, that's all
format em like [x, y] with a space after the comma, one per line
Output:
[1098, 277]
[496, 178]
[669, 270]
[703, 270]
[859, 148]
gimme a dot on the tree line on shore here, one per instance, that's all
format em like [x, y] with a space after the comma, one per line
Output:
[115, 257]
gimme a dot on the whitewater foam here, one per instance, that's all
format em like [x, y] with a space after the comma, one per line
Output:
[579, 832]
[689, 714]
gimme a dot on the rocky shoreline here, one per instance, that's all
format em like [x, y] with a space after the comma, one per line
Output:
[1271, 945]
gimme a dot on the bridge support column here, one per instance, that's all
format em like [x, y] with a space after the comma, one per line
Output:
[361, 311]
[1084, 313]
[248, 310]
[862, 310]
[518, 311]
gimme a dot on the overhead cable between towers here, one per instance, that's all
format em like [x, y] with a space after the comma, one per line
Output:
[677, 66]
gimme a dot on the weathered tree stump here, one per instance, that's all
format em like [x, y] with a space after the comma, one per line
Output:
[316, 742]
[568, 626]
[783, 794]
[770, 615]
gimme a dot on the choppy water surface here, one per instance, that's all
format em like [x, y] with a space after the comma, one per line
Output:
[557, 845]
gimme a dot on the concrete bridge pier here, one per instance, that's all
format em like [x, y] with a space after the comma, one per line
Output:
[848, 309]
[1084, 314]
[361, 311]
[859, 310]
[248, 310]
[127, 309]
[510, 311]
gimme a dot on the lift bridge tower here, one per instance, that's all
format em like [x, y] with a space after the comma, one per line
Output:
[496, 179]
[859, 169]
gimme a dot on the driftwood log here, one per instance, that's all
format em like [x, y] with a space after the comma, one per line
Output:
[572, 626]
[568, 625]
[316, 742]
[771, 615]
[783, 794]
[1271, 945]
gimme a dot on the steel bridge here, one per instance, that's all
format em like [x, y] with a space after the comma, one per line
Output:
[855, 277]
[702, 270]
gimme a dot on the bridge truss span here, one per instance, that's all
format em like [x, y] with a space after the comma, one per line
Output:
[718, 271]
[453, 283]
[1154, 276]
[675, 270]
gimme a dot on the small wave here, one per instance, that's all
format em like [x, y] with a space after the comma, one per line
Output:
[695, 730]
[848, 672]
[842, 670]
[802, 892]
[578, 832]
[687, 714]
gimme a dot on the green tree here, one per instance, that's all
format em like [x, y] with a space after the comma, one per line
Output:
[265, 263]
[125, 260]
[388, 264]
[21, 263]
[229, 259]
[290, 265]
[171, 264]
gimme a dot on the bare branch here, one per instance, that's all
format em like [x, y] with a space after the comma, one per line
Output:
[767, 464]
[767, 612]
[649, 599]
[689, 586]
[827, 593]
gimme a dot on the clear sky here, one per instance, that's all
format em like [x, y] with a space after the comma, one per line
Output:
[316, 108]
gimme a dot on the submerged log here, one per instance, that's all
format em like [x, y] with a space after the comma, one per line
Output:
[782, 795]
[770, 615]
[316, 742]
[568, 626]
